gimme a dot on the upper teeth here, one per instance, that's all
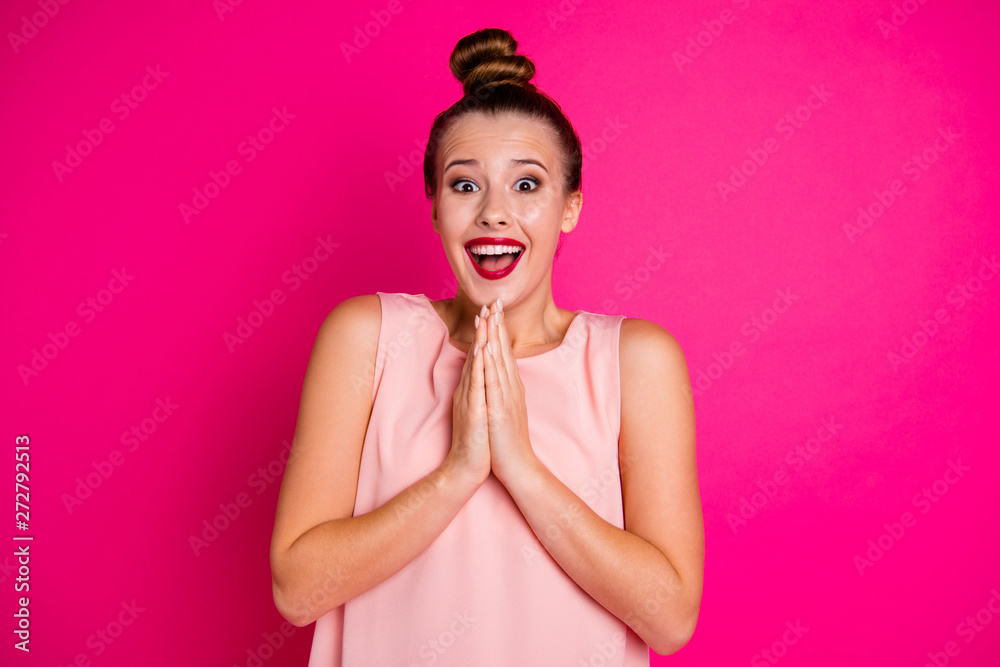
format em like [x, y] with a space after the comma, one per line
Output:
[493, 249]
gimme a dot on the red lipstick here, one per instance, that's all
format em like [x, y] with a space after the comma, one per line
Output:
[493, 241]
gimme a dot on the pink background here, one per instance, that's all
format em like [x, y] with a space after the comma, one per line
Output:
[661, 133]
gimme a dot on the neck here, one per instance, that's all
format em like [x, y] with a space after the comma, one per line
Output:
[532, 322]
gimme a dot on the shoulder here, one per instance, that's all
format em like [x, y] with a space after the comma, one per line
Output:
[642, 341]
[363, 310]
[647, 351]
[353, 323]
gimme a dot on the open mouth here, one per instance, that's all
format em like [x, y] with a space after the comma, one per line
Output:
[494, 260]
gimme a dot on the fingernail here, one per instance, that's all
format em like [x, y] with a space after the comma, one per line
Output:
[489, 349]
[477, 321]
[499, 304]
[475, 350]
[483, 311]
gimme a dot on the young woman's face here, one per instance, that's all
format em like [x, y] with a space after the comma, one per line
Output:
[501, 178]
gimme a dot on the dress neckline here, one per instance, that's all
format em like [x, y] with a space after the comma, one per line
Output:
[447, 333]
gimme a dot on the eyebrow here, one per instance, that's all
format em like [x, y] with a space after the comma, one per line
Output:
[455, 163]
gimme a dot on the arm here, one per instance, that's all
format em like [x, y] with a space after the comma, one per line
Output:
[650, 574]
[321, 556]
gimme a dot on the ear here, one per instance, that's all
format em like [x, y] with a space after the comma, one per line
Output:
[571, 214]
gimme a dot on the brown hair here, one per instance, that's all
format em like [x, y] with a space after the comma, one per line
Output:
[496, 80]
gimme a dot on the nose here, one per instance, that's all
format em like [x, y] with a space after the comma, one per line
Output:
[495, 212]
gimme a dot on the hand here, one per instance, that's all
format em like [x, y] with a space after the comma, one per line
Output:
[507, 416]
[470, 445]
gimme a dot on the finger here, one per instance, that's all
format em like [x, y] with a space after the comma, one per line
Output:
[481, 327]
[499, 355]
[463, 382]
[480, 335]
[476, 354]
[509, 362]
[467, 366]
[494, 388]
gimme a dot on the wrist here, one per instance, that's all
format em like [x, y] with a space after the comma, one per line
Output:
[523, 469]
[454, 470]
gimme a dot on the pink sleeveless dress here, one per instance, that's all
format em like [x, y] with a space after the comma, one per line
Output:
[485, 591]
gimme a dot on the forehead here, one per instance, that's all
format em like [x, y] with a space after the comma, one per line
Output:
[499, 138]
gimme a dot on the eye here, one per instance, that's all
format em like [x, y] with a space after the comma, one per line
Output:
[465, 185]
[526, 184]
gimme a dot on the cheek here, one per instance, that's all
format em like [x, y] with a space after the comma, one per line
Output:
[449, 217]
[530, 214]
[455, 211]
[538, 210]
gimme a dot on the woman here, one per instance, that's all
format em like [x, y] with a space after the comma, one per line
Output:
[548, 513]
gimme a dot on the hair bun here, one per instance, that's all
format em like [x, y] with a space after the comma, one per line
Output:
[488, 57]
